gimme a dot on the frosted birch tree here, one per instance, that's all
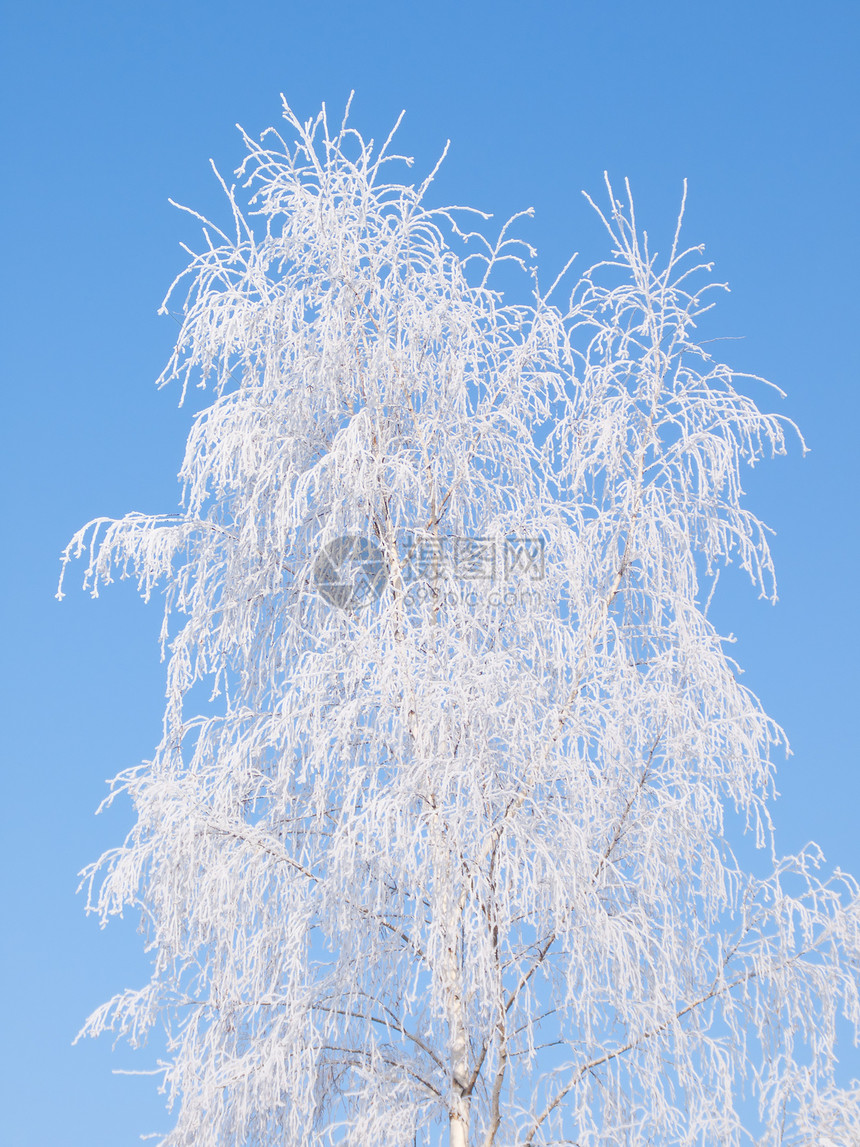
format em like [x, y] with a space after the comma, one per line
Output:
[433, 849]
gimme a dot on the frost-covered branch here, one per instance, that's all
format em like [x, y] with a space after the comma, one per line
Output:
[451, 866]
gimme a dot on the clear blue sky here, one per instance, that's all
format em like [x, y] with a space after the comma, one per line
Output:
[112, 107]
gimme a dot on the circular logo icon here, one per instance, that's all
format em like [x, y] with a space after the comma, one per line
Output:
[350, 572]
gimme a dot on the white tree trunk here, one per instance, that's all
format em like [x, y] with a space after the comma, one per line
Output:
[459, 1131]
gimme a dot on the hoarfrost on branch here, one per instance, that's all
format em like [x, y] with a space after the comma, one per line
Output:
[453, 868]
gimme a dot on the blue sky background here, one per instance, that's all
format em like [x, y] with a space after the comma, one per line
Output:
[112, 107]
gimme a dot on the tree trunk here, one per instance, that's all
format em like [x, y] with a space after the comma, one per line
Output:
[459, 1130]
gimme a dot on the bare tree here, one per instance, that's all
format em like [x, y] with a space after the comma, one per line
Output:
[443, 858]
